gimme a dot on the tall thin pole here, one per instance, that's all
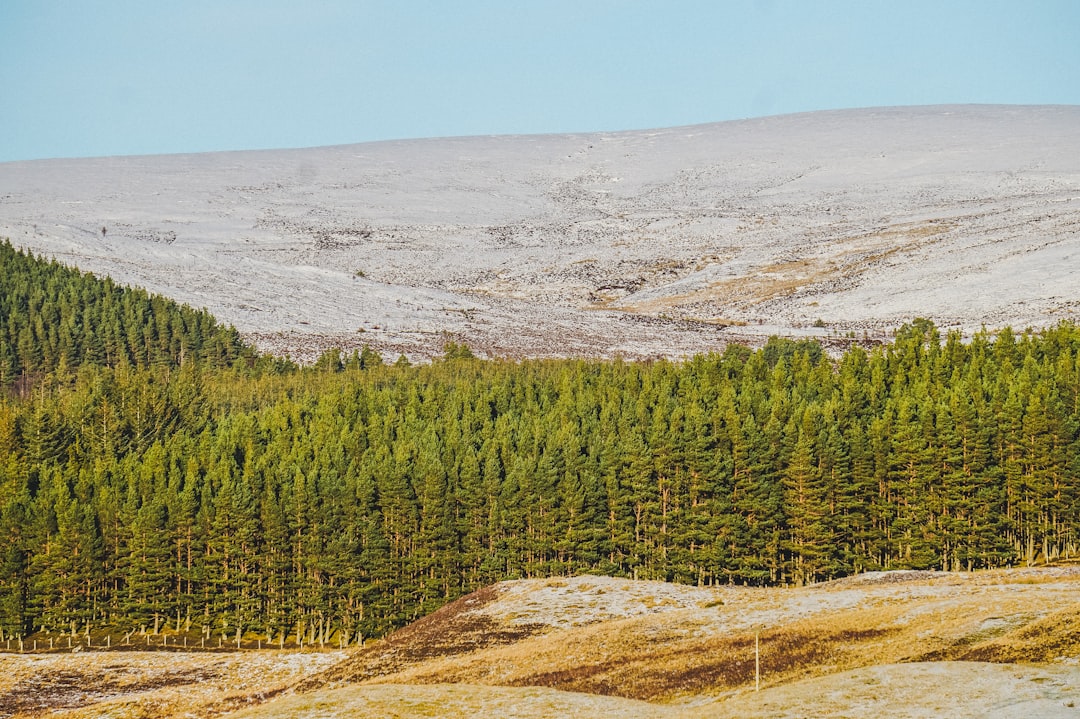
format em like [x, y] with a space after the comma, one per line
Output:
[757, 660]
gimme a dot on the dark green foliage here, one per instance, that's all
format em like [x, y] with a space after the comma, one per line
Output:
[352, 497]
[55, 318]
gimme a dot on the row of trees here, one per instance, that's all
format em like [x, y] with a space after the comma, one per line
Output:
[367, 497]
[355, 496]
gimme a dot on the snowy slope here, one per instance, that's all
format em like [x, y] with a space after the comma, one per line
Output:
[647, 243]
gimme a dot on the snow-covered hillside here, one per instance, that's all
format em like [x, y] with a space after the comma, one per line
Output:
[648, 243]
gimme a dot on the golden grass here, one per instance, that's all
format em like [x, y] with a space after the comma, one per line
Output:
[147, 685]
[605, 640]
[941, 689]
[680, 653]
[1049, 638]
[846, 259]
[911, 231]
[454, 701]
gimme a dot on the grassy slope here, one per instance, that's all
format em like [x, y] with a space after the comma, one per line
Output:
[907, 644]
[930, 690]
[147, 685]
[693, 648]
[659, 642]
[448, 701]
[924, 690]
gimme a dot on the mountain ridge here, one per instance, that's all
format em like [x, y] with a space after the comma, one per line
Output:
[664, 242]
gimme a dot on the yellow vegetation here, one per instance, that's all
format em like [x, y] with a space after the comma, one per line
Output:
[612, 647]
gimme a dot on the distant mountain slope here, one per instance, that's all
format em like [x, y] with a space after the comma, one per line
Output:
[663, 242]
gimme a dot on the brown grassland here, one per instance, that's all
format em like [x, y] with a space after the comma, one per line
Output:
[896, 644]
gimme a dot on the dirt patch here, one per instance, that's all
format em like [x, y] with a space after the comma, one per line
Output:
[900, 576]
[148, 685]
[457, 628]
[66, 689]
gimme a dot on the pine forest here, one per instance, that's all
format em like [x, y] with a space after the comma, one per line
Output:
[155, 471]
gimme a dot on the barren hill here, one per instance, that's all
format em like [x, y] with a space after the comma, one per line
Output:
[893, 643]
[663, 242]
[1001, 643]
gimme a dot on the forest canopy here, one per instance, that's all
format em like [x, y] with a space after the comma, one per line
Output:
[55, 317]
[235, 494]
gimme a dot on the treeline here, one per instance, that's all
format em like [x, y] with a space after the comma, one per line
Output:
[355, 497]
[52, 316]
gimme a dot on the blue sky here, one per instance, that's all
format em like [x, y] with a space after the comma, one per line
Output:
[112, 77]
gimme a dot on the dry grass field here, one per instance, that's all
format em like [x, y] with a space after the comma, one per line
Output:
[907, 644]
[147, 685]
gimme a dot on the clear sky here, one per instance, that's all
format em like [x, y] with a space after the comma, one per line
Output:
[111, 77]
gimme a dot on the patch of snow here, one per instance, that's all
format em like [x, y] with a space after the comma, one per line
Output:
[659, 243]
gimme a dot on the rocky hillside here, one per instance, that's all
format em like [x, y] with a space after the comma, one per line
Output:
[663, 242]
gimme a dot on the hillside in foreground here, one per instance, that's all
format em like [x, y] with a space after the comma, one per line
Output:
[692, 649]
[903, 644]
[666, 242]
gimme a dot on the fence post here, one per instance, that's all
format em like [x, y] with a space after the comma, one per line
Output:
[757, 660]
